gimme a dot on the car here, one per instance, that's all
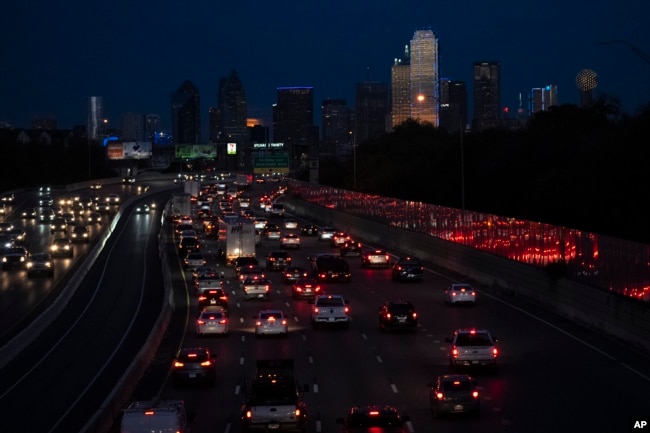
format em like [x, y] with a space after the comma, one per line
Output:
[40, 264]
[14, 258]
[46, 216]
[306, 288]
[7, 197]
[460, 293]
[454, 394]
[260, 223]
[194, 364]
[44, 190]
[18, 235]
[80, 233]
[472, 348]
[188, 244]
[374, 418]
[244, 261]
[143, 208]
[277, 260]
[351, 248]
[94, 218]
[45, 201]
[6, 227]
[408, 269]
[62, 247]
[142, 188]
[59, 224]
[398, 314]
[326, 233]
[212, 297]
[330, 268]
[212, 321]
[339, 238]
[290, 224]
[293, 273]
[375, 259]
[194, 259]
[95, 186]
[128, 180]
[31, 213]
[271, 322]
[4, 209]
[250, 271]
[290, 240]
[113, 199]
[68, 217]
[309, 230]
[272, 232]
[256, 287]
[103, 207]
[330, 310]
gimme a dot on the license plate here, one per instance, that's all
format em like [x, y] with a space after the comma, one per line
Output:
[307, 290]
[401, 319]
[213, 301]
[330, 319]
[474, 362]
[192, 375]
[274, 426]
[458, 407]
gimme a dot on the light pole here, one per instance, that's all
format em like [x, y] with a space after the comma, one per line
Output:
[462, 167]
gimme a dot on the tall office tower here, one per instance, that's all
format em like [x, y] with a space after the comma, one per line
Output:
[587, 81]
[487, 95]
[186, 114]
[231, 113]
[336, 124]
[425, 77]
[542, 98]
[293, 120]
[400, 86]
[132, 127]
[453, 105]
[95, 123]
[151, 126]
[371, 110]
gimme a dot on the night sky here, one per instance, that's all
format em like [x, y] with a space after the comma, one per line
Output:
[136, 53]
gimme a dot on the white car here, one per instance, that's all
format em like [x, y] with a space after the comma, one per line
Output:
[326, 233]
[290, 224]
[271, 322]
[260, 223]
[290, 240]
[460, 294]
[194, 259]
[212, 321]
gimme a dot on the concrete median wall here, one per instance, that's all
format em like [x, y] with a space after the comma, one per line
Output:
[610, 313]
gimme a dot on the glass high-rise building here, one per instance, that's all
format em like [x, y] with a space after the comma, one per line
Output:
[453, 105]
[487, 95]
[95, 123]
[371, 110]
[133, 127]
[400, 94]
[425, 77]
[336, 125]
[293, 119]
[231, 113]
[186, 114]
[542, 98]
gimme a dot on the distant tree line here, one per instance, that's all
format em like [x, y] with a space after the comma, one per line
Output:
[579, 167]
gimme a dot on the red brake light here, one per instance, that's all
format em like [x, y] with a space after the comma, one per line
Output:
[475, 394]
[346, 310]
[178, 364]
[388, 315]
[373, 413]
[206, 363]
[439, 395]
[200, 322]
[149, 412]
[454, 352]
[495, 352]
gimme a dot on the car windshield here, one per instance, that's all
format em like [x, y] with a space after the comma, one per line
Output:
[211, 315]
[477, 339]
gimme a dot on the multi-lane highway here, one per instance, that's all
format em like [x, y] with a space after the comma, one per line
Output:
[553, 374]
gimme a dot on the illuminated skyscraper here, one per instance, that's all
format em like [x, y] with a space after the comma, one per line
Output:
[425, 77]
[487, 95]
[541, 98]
[186, 114]
[95, 118]
[400, 83]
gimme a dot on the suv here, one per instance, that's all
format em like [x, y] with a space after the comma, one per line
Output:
[275, 399]
[408, 269]
[397, 315]
[194, 364]
[40, 264]
[62, 247]
[374, 418]
[472, 348]
[14, 257]
[277, 260]
[330, 268]
[453, 394]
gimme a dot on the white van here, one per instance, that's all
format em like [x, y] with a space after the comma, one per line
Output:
[162, 416]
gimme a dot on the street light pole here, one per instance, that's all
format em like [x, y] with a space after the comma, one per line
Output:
[462, 167]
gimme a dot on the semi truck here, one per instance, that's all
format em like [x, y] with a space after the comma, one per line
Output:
[180, 205]
[240, 238]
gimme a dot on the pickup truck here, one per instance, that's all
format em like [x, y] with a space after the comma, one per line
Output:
[472, 348]
[330, 268]
[330, 310]
[274, 399]
[256, 288]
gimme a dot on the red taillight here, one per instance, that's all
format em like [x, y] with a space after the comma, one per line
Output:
[388, 315]
[267, 288]
[373, 413]
[440, 395]
[346, 310]
[495, 352]
[206, 363]
[178, 364]
[316, 310]
[297, 412]
[200, 322]
[475, 394]
[149, 412]
[202, 298]
[284, 322]
[454, 352]
[258, 323]
[414, 315]
[223, 322]
[249, 414]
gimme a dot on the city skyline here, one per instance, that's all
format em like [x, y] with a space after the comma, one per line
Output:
[125, 53]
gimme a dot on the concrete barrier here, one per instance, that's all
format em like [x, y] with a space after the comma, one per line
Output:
[607, 312]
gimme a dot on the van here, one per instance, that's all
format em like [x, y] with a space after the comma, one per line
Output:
[164, 416]
[277, 210]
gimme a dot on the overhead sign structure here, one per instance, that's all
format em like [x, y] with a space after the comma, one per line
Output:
[196, 151]
[128, 150]
[278, 163]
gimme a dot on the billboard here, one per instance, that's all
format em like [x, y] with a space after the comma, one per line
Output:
[232, 149]
[128, 150]
[196, 151]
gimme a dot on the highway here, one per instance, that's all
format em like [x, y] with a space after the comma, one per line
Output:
[553, 375]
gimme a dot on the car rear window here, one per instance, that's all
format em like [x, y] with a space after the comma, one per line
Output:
[479, 339]
[456, 385]
[400, 308]
[330, 302]
[380, 420]
[268, 315]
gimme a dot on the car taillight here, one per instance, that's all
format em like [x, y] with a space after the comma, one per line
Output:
[346, 310]
[414, 315]
[223, 322]
[258, 323]
[206, 363]
[267, 288]
[200, 322]
[202, 298]
[495, 352]
[296, 412]
[316, 310]
[249, 414]
[475, 394]
[284, 322]
[454, 352]
[439, 395]
[178, 364]
[388, 315]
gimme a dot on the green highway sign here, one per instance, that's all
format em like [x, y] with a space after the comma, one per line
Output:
[275, 161]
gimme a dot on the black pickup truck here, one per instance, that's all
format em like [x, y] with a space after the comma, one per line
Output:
[330, 268]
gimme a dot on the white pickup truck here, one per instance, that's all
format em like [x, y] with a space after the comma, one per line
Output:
[256, 288]
[274, 399]
[330, 310]
[472, 348]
